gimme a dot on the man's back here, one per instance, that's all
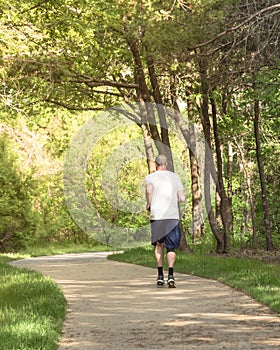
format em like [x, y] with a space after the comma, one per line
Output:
[166, 185]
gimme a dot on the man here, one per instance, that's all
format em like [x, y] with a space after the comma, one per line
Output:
[164, 192]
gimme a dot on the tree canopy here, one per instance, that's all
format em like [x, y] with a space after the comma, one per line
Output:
[213, 63]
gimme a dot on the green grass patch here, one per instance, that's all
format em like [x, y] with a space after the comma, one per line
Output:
[32, 309]
[63, 248]
[256, 278]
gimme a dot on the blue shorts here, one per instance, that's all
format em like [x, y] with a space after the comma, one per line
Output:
[172, 238]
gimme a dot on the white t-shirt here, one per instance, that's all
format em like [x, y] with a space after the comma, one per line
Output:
[166, 185]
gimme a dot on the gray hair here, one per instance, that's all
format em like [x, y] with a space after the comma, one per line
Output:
[161, 160]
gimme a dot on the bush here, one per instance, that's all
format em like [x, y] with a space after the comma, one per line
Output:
[17, 221]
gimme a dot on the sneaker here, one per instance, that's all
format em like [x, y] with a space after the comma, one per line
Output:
[171, 282]
[160, 281]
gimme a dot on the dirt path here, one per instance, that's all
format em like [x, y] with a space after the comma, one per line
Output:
[117, 306]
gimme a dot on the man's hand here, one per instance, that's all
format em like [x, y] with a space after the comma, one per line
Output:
[149, 193]
[181, 196]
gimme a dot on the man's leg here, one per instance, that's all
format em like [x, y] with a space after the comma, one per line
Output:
[159, 256]
[172, 241]
[171, 258]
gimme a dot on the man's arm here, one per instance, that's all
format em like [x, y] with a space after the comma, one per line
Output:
[181, 196]
[149, 194]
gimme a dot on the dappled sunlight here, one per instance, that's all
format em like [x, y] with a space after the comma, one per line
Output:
[232, 316]
[274, 342]
[111, 305]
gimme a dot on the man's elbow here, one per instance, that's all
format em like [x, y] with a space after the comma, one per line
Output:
[181, 197]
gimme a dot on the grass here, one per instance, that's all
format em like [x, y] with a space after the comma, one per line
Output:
[32, 309]
[256, 278]
[62, 248]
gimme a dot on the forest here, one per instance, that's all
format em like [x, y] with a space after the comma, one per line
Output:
[92, 91]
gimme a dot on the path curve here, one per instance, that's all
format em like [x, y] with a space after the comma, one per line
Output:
[114, 305]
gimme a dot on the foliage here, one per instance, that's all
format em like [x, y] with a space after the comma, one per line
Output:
[39, 143]
[58, 57]
[269, 94]
[17, 219]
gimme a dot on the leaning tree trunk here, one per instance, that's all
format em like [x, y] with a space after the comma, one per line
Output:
[146, 99]
[197, 226]
[188, 132]
[197, 213]
[161, 113]
[162, 142]
[267, 224]
[148, 148]
[209, 162]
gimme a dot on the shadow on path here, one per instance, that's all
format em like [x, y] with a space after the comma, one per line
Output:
[117, 306]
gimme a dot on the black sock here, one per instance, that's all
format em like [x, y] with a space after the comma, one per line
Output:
[170, 271]
[160, 271]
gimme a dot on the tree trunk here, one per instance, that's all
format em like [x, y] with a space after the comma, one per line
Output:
[267, 224]
[145, 98]
[218, 210]
[197, 226]
[249, 189]
[161, 113]
[225, 207]
[162, 142]
[229, 177]
[148, 148]
[184, 247]
[188, 132]
[209, 163]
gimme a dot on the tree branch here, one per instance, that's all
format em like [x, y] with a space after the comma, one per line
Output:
[35, 6]
[232, 29]
[73, 108]
[91, 82]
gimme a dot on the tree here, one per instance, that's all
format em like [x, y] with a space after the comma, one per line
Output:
[147, 52]
[220, 46]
